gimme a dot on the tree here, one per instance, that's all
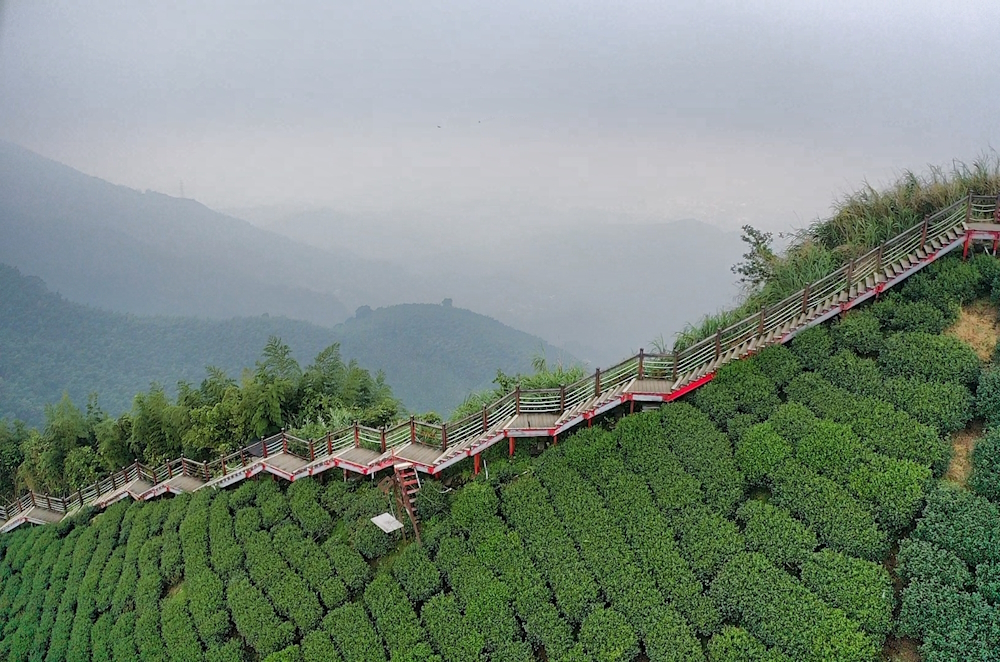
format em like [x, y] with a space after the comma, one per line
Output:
[758, 262]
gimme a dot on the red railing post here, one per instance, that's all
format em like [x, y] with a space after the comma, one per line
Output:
[357, 435]
[312, 451]
[597, 382]
[263, 447]
[517, 399]
[413, 429]
[444, 436]
[284, 441]
[329, 443]
[641, 357]
[382, 440]
[170, 471]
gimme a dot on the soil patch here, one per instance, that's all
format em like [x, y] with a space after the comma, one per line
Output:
[962, 443]
[977, 326]
[901, 650]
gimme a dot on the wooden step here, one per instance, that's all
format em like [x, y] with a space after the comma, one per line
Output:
[921, 255]
[936, 244]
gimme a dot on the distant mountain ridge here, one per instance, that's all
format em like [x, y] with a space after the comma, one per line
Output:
[432, 355]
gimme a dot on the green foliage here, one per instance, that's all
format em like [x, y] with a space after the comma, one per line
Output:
[920, 561]
[416, 573]
[859, 332]
[778, 610]
[317, 646]
[671, 639]
[858, 376]
[953, 624]
[255, 618]
[303, 498]
[985, 479]
[837, 518]
[961, 522]
[945, 406]
[988, 581]
[705, 453]
[350, 565]
[607, 636]
[395, 620]
[773, 532]
[896, 315]
[352, 632]
[178, 631]
[933, 358]
[290, 654]
[454, 638]
[778, 363]
[737, 645]
[988, 396]
[861, 588]
[813, 346]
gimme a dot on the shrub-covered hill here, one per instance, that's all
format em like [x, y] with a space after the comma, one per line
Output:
[432, 355]
[758, 521]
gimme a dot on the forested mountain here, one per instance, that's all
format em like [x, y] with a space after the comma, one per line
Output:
[432, 355]
[148, 253]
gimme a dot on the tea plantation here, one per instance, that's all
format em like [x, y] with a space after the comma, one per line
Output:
[793, 509]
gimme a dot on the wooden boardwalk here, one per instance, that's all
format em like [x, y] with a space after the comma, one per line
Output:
[645, 379]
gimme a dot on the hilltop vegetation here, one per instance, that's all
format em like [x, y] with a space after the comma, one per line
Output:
[861, 221]
[432, 355]
[756, 521]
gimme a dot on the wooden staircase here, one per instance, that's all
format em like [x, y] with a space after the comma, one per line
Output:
[408, 484]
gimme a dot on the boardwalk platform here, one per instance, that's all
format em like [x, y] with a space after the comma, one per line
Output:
[33, 515]
[135, 490]
[281, 464]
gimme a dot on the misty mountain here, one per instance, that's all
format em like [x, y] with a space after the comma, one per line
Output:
[599, 284]
[432, 355]
[148, 253]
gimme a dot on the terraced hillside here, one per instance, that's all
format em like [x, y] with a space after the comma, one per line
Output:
[791, 509]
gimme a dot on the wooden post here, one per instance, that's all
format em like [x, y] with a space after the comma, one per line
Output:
[357, 435]
[760, 322]
[718, 343]
[968, 208]
[205, 471]
[677, 360]
[243, 458]
[923, 234]
[329, 443]
[486, 420]
[444, 436]
[263, 447]
[170, 471]
[312, 451]
[850, 275]
[805, 299]
[413, 429]
[79, 497]
[996, 211]
[114, 485]
[597, 382]
[641, 357]
[562, 398]
[284, 441]
[510, 446]
[878, 258]
[382, 440]
[517, 399]
[222, 460]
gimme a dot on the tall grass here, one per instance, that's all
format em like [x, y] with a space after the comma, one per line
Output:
[861, 221]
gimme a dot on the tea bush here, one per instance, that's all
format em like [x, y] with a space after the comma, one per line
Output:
[773, 531]
[861, 588]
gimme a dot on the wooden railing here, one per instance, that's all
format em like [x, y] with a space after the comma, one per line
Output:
[678, 368]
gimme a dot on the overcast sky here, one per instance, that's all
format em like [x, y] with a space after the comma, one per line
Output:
[724, 111]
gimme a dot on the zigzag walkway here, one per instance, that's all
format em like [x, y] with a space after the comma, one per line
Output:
[547, 413]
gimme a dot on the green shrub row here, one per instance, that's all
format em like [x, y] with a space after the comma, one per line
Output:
[396, 621]
[735, 644]
[353, 633]
[178, 631]
[525, 505]
[454, 638]
[953, 624]
[773, 532]
[985, 479]
[963, 523]
[837, 518]
[416, 573]
[288, 591]
[777, 609]
[255, 618]
[304, 502]
[643, 442]
[705, 453]
[226, 555]
[309, 561]
[862, 589]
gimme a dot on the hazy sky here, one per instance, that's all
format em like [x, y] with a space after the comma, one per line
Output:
[726, 111]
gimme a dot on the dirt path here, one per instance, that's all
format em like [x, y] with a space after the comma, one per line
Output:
[962, 443]
[978, 327]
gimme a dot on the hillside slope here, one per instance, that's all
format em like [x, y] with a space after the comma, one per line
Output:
[148, 253]
[432, 356]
